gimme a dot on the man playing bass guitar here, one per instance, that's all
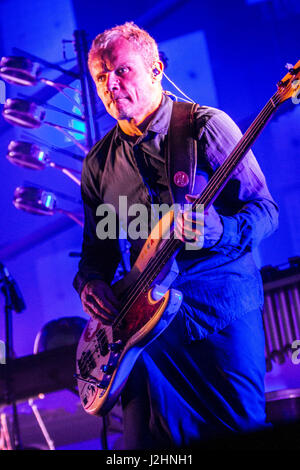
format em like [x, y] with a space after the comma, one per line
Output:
[203, 376]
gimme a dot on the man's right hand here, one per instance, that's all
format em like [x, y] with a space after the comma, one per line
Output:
[99, 301]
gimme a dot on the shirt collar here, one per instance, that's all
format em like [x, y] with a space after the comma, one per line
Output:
[159, 123]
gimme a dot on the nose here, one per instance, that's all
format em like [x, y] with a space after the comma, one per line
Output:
[112, 82]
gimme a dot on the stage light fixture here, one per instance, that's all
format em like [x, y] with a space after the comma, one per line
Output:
[24, 113]
[40, 202]
[33, 157]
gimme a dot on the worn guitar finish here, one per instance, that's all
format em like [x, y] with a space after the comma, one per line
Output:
[106, 354]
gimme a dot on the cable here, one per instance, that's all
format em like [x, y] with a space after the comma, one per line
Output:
[169, 93]
[178, 89]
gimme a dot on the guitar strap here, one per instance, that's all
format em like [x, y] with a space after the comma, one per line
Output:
[181, 152]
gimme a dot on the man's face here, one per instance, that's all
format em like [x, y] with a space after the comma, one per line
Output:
[124, 83]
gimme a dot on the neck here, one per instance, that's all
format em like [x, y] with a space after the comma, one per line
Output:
[130, 127]
[136, 126]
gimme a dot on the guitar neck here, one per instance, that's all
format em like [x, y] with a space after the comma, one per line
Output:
[288, 87]
[224, 172]
[214, 186]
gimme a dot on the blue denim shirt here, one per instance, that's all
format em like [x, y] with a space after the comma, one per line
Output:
[218, 284]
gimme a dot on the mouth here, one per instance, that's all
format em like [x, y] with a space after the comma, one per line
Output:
[117, 104]
[118, 101]
[119, 98]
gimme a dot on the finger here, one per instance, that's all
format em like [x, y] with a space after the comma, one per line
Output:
[103, 303]
[186, 235]
[191, 197]
[191, 238]
[188, 227]
[90, 309]
[99, 308]
[193, 216]
[97, 314]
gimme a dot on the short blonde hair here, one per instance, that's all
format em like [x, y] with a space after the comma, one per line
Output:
[130, 31]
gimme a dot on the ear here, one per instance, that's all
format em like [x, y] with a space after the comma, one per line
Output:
[157, 70]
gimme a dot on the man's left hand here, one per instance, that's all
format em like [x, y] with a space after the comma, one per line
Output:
[198, 229]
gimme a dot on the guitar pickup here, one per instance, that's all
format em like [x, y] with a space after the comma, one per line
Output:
[86, 363]
[102, 342]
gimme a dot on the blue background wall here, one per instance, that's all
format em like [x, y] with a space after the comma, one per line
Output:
[224, 54]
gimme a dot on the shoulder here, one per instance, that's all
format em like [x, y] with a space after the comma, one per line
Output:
[96, 157]
[213, 120]
[92, 169]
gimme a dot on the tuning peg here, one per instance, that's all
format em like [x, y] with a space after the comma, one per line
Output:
[291, 69]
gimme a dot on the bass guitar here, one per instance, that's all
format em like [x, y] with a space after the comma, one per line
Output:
[106, 354]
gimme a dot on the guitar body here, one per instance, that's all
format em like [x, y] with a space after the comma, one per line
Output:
[106, 354]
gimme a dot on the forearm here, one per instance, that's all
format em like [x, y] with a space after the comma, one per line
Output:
[244, 231]
[99, 258]
[245, 205]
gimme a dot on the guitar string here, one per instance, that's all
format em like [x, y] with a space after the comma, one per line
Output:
[220, 176]
[151, 268]
[230, 162]
[241, 149]
[245, 139]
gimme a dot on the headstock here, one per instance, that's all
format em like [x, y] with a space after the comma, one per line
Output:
[289, 86]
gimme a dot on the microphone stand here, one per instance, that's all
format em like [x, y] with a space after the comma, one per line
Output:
[13, 302]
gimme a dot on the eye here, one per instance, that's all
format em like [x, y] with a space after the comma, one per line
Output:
[101, 78]
[122, 70]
